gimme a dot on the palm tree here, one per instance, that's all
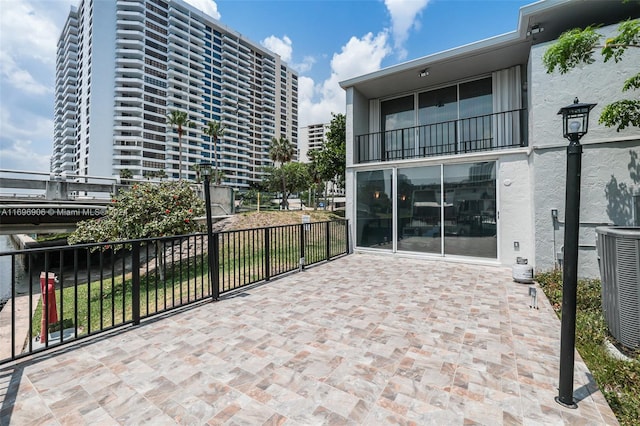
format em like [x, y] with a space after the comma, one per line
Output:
[281, 151]
[126, 174]
[215, 130]
[179, 120]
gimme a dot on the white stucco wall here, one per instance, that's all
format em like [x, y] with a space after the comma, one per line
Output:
[355, 103]
[516, 209]
[599, 83]
[608, 181]
[610, 166]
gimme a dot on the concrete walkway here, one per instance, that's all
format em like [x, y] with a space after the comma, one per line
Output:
[362, 340]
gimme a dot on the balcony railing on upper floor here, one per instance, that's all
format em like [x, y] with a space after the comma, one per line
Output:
[489, 132]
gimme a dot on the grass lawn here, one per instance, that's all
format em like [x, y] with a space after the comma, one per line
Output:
[618, 380]
[107, 302]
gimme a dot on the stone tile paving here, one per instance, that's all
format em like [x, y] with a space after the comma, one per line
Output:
[362, 340]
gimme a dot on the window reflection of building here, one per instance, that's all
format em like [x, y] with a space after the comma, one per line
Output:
[451, 119]
[374, 208]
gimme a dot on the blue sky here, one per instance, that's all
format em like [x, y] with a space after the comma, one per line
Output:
[326, 41]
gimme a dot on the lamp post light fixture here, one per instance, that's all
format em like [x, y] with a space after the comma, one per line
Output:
[575, 124]
[212, 258]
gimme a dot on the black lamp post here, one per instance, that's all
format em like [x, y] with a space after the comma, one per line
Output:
[575, 125]
[205, 169]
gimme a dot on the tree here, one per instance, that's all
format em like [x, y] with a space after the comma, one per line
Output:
[179, 120]
[159, 173]
[281, 151]
[315, 173]
[334, 150]
[215, 175]
[215, 130]
[575, 47]
[126, 174]
[198, 168]
[330, 162]
[146, 210]
[296, 175]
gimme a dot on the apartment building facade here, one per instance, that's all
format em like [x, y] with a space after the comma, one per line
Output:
[460, 155]
[311, 137]
[124, 65]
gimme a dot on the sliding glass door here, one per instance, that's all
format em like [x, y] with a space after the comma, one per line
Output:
[470, 210]
[476, 107]
[419, 209]
[437, 115]
[446, 210]
[456, 118]
[398, 121]
[374, 216]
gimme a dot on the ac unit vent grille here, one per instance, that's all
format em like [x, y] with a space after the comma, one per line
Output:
[619, 253]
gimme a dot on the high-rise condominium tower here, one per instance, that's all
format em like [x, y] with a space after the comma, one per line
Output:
[123, 66]
[311, 138]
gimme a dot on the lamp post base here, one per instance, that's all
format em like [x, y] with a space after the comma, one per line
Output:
[573, 404]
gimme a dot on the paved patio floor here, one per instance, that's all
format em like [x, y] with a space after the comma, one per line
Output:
[364, 340]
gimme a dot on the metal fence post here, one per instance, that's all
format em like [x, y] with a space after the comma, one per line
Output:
[327, 230]
[346, 236]
[135, 282]
[302, 255]
[267, 255]
[215, 269]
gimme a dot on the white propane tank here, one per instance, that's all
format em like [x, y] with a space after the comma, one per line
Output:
[522, 272]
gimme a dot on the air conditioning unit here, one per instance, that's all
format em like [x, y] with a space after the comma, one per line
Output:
[619, 261]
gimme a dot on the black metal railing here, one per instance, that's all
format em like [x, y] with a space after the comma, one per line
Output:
[482, 133]
[74, 292]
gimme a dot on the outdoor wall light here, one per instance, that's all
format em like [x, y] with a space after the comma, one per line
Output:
[575, 123]
[424, 72]
[205, 170]
[575, 119]
[376, 194]
[535, 30]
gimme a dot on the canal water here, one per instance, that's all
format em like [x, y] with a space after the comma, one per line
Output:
[21, 279]
[5, 268]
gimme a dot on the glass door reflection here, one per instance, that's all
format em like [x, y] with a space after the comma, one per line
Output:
[470, 227]
[419, 210]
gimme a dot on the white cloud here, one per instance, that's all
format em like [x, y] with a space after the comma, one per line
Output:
[359, 56]
[207, 6]
[19, 149]
[29, 34]
[21, 125]
[282, 46]
[404, 17]
[29, 29]
[306, 64]
[20, 78]
[21, 156]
